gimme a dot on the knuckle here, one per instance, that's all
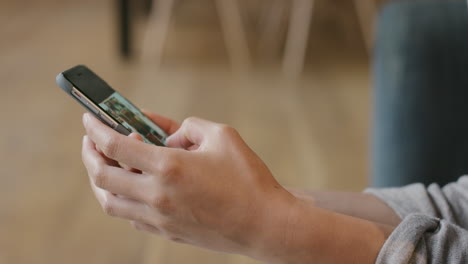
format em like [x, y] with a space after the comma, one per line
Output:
[165, 225]
[108, 208]
[224, 130]
[190, 120]
[111, 146]
[170, 170]
[163, 204]
[138, 226]
[175, 239]
[170, 230]
[100, 177]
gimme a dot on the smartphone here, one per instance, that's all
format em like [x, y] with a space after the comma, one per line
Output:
[114, 110]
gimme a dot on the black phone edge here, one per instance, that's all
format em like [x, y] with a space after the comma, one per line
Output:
[67, 86]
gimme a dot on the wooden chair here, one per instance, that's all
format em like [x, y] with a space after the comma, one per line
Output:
[231, 24]
[230, 15]
[300, 16]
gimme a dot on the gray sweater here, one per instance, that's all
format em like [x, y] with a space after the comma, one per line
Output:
[434, 227]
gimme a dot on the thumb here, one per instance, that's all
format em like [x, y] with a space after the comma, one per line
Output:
[192, 132]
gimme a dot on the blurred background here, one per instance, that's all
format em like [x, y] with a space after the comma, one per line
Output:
[292, 76]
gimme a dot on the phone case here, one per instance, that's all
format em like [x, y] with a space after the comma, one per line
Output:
[67, 86]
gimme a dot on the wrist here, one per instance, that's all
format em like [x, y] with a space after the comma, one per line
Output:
[273, 228]
[295, 231]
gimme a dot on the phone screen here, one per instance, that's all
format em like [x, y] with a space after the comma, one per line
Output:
[106, 104]
[132, 118]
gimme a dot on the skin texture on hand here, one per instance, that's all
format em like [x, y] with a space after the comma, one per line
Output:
[210, 190]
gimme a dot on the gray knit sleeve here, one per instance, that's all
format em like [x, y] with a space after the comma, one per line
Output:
[434, 223]
[421, 239]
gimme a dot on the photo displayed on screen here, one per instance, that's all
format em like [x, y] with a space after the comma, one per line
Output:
[133, 119]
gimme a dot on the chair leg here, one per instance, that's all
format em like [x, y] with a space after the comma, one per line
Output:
[271, 27]
[366, 11]
[298, 34]
[157, 29]
[125, 36]
[234, 34]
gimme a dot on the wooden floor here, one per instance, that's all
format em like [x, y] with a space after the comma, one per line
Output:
[312, 133]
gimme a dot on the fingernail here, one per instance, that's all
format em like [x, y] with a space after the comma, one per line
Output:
[85, 138]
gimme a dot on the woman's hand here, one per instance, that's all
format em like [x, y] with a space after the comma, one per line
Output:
[208, 189]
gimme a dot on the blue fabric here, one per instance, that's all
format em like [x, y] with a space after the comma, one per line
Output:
[421, 93]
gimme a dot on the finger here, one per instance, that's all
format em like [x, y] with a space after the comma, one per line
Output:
[145, 227]
[113, 179]
[168, 125]
[109, 161]
[193, 131]
[118, 147]
[137, 137]
[121, 207]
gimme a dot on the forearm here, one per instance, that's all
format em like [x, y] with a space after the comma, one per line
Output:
[307, 234]
[360, 205]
